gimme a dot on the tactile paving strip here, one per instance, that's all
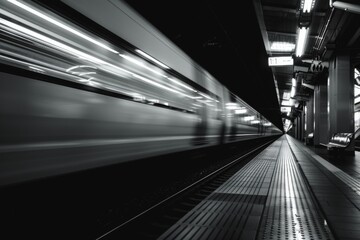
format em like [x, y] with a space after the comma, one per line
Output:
[290, 211]
[233, 211]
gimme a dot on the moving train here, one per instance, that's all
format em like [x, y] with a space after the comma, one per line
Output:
[73, 98]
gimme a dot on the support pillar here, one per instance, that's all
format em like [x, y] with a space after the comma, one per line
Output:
[320, 115]
[341, 95]
[309, 116]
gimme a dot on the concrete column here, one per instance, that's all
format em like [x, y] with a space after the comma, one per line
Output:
[302, 117]
[341, 95]
[320, 115]
[299, 123]
[309, 116]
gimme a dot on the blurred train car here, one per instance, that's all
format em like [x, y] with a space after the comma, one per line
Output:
[72, 99]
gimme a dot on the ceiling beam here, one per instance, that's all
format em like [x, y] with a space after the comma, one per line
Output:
[261, 21]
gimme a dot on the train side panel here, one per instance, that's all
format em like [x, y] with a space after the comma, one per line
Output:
[48, 129]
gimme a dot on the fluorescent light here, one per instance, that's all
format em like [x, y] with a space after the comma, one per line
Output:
[151, 58]
[255, 122]
[351, 7]
[292, 94]
[286, 103]
[282, 46]
[285, 109]
[61, 25]
[281, 61]
[301, 41]
[286, 95]
[307, 5]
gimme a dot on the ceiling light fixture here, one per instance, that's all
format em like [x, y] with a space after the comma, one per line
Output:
[301, 41]
[286, 95]
[307, 5]
[293, 91]
[346, 6]
[282, 46]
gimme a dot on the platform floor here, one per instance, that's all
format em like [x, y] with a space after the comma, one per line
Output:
[285, 192]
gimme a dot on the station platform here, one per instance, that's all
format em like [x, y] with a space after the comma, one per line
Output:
[286, 192]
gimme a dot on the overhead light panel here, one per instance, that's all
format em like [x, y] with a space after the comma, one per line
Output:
[307, 5]
[285, 109]
[287, 103]
[301, 41]
[282, 46]
[346, 6]
[286, 95]
[293, 89]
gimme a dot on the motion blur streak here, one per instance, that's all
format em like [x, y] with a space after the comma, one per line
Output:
[68, 103]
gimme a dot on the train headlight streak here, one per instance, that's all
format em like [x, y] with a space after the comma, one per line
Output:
[151, 58]
[61, 25]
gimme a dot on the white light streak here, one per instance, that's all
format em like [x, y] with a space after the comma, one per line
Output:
[181, 84]
[61, 25]
[141, 64]
[80, 66]
[151, 58]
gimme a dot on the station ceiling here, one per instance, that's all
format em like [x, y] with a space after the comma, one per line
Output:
[232, 40]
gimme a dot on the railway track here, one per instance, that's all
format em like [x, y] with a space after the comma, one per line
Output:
[152, 222]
